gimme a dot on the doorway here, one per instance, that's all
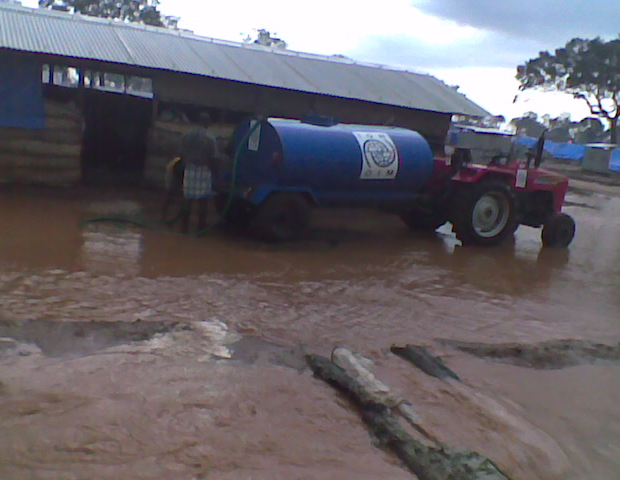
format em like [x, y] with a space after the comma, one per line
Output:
[115, 137]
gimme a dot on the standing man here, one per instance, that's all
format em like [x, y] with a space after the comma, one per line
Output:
[199, 154]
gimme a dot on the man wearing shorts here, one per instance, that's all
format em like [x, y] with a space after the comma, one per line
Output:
[199, 155]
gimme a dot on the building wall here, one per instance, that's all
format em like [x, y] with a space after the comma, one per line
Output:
[53, 155]
[275, 102]
[48, 156]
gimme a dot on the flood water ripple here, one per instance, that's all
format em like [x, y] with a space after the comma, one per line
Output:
[129, 353]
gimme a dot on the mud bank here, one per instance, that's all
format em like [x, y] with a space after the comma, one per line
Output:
[546, 355]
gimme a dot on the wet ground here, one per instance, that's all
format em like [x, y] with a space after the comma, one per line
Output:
[131, 353]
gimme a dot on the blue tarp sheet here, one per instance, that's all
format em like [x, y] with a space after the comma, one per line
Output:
[567, 151]
[21, 93]
[614, 163]
[527, 141]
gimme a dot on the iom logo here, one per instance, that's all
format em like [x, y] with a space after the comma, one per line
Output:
[382, 155]
[379, 156]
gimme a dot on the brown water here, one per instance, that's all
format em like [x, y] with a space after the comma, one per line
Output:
[204, 377]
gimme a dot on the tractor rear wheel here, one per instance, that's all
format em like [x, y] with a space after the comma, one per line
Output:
[282, 217]
[559, 231]
[484, 213]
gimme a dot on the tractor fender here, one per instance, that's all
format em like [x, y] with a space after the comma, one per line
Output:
[473, 175]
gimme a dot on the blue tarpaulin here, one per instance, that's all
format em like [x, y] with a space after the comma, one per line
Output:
[527, 141]
[21, 93]
[614, 163]
[567, 151]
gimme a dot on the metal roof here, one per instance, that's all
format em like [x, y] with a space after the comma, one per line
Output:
[81, 37]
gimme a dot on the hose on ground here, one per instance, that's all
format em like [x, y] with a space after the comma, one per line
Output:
[118, 219]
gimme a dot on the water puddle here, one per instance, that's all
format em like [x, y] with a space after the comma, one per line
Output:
[128, 352]
[58, 339]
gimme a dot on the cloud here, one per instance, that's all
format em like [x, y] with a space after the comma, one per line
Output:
[551, 22]
[488, 50]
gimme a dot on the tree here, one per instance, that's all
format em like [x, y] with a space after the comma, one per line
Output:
[587, 69]
[589, 130]
[139, 11]
[528, 125]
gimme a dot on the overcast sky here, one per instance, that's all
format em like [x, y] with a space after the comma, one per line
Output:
[476, 44]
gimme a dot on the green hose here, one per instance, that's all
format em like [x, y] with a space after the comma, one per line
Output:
[233, 181]
[118, 218]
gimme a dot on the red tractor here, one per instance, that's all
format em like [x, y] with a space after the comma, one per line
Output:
[283, 169]
[486, 202]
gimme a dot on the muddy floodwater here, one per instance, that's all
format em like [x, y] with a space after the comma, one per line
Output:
[130, 353]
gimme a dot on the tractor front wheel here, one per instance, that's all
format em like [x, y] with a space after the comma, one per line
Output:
[282, 217]
[559, 231]
[484, 213]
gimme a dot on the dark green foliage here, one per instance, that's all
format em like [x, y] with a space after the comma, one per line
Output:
[586, 69]
[139, 11]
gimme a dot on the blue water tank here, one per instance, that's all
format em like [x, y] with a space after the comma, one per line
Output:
[338, 164]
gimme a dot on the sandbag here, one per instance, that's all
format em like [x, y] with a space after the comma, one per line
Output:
[40, 161]
[49, 136]
[35, 147]
[54, 123]
[62, 110]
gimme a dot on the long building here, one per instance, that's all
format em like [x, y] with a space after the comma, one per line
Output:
[91, 99]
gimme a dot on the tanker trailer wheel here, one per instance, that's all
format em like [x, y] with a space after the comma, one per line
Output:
[239, 212]
[484, 213]
[559, 231]
[282, 217]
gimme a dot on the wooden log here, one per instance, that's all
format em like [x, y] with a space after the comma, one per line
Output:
[534, 443]
[430, 463]
[425, 361]
[379, 391]
[426, 462]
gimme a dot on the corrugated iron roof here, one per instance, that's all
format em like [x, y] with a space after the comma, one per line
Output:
[77, 36]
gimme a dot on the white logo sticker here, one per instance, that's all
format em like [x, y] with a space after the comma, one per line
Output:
[521, 180]
[379, 156]
[254, 140]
